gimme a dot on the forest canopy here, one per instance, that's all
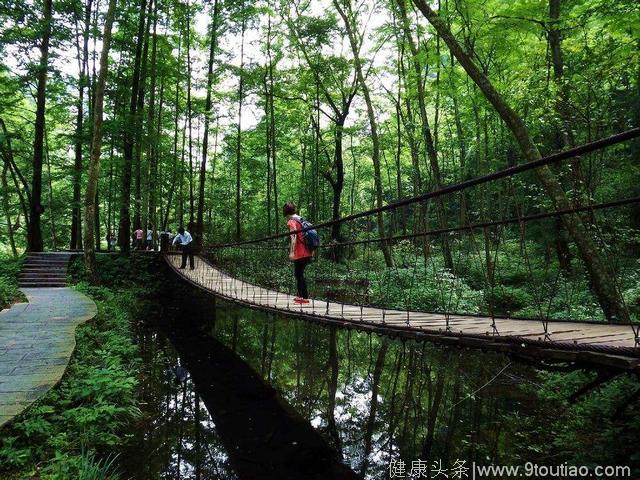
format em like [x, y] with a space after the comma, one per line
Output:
[118, 115]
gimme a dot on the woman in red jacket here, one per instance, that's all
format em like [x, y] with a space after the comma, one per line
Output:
[298, 252]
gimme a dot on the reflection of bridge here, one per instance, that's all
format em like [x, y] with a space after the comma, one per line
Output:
[583, 342]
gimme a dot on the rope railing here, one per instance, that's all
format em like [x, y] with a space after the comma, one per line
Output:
[460, 186]
[473, 226]
[474, 282]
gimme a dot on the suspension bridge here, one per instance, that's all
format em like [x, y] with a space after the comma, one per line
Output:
[543, 340]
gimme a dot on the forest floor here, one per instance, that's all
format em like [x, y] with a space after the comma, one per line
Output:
[79, 426]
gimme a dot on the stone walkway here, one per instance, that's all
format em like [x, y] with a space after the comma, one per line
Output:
[36, 342]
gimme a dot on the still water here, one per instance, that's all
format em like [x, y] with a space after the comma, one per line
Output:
[233, 393]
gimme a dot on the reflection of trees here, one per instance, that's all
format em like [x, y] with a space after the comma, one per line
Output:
[414, 406]
[374, 398]
[332, 387]
[176, 437]
[373, 407]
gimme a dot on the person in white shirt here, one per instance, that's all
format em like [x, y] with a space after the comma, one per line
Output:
[184, 240]
[149, 241]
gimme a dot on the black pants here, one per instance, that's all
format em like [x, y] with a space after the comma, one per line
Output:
[298, 270]
[187, 251]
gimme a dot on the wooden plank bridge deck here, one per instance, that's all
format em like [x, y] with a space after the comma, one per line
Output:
[591, 343]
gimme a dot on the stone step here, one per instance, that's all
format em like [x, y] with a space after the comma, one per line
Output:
[46, 259]
[42, 276]
[41, 258]
[44, 268]
[41, 284]
[45, 264]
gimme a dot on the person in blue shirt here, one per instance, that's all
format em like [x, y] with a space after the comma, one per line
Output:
[185, 241]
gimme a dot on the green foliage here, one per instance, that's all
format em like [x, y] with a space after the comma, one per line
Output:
[88, 467]
[9, 270]
[69, 430]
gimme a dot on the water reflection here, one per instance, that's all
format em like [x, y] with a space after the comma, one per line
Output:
[270, 397]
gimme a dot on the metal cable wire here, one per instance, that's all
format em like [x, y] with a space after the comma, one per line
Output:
[507, 172]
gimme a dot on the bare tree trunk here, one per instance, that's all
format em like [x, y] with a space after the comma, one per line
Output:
[152, 144]
[19, 182]
[190, 118]
[54, 240]
[555, 39]
[272, 132]
[96, 146]
[602, 281]
[174, 178]
[83, 59]
[34, 233]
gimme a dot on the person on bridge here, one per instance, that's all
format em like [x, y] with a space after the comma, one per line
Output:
[184, 240]
[298, 252]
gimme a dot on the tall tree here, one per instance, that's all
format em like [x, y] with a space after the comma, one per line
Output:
[83, 63]
[243, 27]
[350, 23]
[207, 112]
[34, 235]
[124, 229]
[602, 280]
[429, 142]
[96, 147]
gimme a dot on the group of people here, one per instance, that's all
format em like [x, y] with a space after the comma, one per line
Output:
[182, 240]
[299, 252]
[142, 241]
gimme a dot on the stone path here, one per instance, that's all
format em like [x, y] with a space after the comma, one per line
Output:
[36, 342]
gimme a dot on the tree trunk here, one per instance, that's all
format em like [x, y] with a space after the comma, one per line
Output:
[124, 230]
[338, 182]
[432, 154]
[601, 279]
[34, 233]
[140, 177]
[272, 132]
[7, 209]
[207, 116]
[19, 182]
[96, 145]
[76, 232]
[152, 141]
[189, 119]
[174, 176]
[239, 130]
[353, 35]
[555, 38]
[54, 241]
